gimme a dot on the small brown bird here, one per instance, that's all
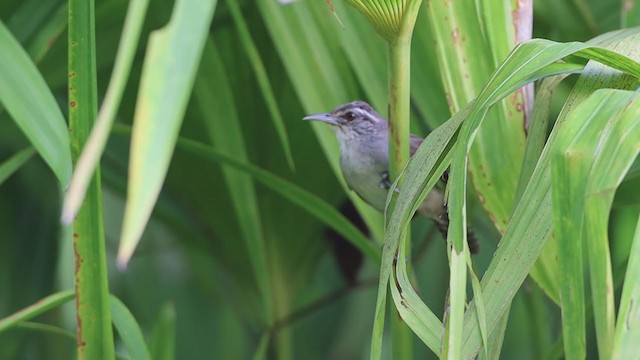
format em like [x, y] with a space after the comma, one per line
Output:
[363, 135]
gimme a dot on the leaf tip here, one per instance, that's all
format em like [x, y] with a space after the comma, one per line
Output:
[122, 261]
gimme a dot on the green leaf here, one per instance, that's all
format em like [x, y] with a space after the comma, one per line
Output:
[627, 194]
[424, 323]
[47, 329]
[92, 151]
[262, 78]
[625, 342]
[216, 105]
[531, 222]
[421, 167]
[615, 153]
[129, 330]
[95, 333]
[630, 13]
[163, 336]
[36, 309]
[49, 34]
[482, 316]
[571, 166]
[27, 99]
[11, 165]
[164, 91]
[546, 267]
[503, 276]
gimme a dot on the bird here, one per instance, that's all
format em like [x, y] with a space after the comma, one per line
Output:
[363, 136]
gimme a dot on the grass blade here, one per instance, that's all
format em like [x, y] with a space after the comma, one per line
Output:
[129, 330]
[94, 331]
[11, 165]
[162, 345]
[435, 149]
[36, 309]
[94, 146]
[216, 102]
[570, 168]
[625, 342]
[621, 143]
[262, 78]
[531, 224]
[29, 101]
[164, 91]
[532, 233]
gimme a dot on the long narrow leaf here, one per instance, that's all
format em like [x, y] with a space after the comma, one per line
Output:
[163, 337]
[36, 309]
[11, 165]
[627, 326]
[129, 330]
[570, 167]
[26, 97]
[261, 76]
[512, 75]
[95, 144]
[164, 90]
[94, 331]
[216, 104]
[621, 143]
[532, 223]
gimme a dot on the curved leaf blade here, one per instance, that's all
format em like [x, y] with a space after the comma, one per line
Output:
[11, 165]
[129, 330]
[164, 91]
[25, 95]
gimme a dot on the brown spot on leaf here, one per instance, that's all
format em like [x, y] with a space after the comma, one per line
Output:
[78, 261]
[72, 103]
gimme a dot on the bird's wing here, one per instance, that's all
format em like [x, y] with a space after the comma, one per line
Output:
[414, 144]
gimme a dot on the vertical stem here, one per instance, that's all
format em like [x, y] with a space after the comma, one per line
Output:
[399, 108]
[399, 101]
[94, 332]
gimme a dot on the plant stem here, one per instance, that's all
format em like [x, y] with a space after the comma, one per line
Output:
[399, 101]
[94, 332]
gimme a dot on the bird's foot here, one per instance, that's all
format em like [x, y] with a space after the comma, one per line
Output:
[385, 183]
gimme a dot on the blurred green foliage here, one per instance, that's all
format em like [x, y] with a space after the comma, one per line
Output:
[192, 254]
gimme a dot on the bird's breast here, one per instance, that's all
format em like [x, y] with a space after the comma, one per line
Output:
[362, 170]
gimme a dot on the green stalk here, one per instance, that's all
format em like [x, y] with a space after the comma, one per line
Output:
[94, 332]
[399, 63]
[399, 101]
[394, 20]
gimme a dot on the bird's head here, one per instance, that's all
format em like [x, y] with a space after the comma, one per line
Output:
[354, 120]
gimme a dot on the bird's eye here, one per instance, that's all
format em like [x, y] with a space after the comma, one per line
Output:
[350, 116]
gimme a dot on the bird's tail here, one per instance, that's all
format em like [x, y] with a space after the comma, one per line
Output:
[442, 223]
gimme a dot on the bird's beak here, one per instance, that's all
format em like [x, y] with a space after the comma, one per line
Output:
[324, 117]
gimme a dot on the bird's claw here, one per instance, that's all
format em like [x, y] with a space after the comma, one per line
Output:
[385, 183]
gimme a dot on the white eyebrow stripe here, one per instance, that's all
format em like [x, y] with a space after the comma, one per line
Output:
[360, 111]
